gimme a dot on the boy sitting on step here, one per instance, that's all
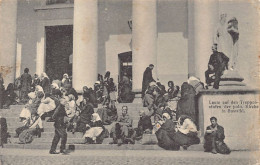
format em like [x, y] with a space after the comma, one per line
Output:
[123, 132]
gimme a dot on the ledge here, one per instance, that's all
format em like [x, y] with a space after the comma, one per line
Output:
[229, 91]
[53, 7]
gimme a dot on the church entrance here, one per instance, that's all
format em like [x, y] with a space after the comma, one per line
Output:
[59, 47]
[125, 64]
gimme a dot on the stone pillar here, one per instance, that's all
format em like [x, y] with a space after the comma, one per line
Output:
[205, 17]
[144, 39]
[85, 28]
[8, 17]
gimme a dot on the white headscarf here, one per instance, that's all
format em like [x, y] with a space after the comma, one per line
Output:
[38, 88]
[55, 85]
[43, 75]
[166, 115]
[95, 117]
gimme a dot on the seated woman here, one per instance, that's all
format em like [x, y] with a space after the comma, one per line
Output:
[94, 130]
[31, 122]
[9, 96]
[46, 105]
[125, 92]
[85, 115]
[165, 134]
[186, 134]
[144, 125]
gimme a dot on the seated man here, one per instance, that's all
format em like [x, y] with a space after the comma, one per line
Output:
[124, 126]
[214, 138]
[217, 64]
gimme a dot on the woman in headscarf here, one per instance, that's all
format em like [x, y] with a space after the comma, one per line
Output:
[65, 80]
[165, 133]
[9, 96]
[94, 129]
[45, 83]
[85, 116]
[125, 93]
[187, 132]
[186, 105]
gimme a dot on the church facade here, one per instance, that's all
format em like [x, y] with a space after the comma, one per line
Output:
[87, 37]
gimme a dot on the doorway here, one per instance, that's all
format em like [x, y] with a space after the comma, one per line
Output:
[125, 64]
[59, 48]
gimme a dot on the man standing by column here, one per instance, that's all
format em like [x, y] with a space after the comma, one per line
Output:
[147, 78]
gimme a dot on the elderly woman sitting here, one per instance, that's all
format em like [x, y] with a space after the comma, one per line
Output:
[186, 133]
[94, 130]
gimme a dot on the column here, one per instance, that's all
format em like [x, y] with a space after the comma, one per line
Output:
[205, 23]
[8, 17]
[85, 27]
[144, 39]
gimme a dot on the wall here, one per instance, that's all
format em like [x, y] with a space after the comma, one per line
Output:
[114, 35]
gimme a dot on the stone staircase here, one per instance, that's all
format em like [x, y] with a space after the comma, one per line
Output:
[75, 141]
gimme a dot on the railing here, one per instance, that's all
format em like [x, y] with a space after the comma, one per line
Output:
[53, 2]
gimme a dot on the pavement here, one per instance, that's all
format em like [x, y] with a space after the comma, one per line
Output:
[10, 156]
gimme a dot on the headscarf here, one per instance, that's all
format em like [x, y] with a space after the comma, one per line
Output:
[65, 77]
[38, 88]
[55, 86]
[43, 75]
[95, 117]
[166, 115]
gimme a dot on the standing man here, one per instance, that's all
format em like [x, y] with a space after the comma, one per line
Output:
[26, 81]
[60, 129]
[147, 78]
[217, 64]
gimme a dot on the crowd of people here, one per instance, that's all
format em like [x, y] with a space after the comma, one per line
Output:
[169, 114]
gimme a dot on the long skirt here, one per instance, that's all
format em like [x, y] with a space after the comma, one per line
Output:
[93, 132]
[187, 140]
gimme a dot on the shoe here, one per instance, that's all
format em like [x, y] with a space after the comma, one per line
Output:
[64, 152]
[214, 151]
[53, 152]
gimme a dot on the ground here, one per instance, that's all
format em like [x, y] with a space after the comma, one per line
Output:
[125, 157]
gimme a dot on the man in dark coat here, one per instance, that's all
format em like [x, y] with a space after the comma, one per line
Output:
[217, 64]
[214, 138]
[26, 81]
[147, 78]
[60, 129]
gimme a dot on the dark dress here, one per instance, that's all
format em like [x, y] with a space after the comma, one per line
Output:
[147, 78]
[186, 105]
[26, 81]
[165, 136]
[85, 117]
[125, 93]
[9, 96]
[46, 85]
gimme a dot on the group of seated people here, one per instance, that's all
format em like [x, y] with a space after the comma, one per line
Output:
[173, 124]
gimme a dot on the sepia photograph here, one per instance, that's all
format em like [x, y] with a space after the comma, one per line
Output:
[129, 82]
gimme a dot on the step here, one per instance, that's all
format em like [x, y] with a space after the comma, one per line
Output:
[19, 124]
[51, 134]
[87, 146]
[197, 147]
